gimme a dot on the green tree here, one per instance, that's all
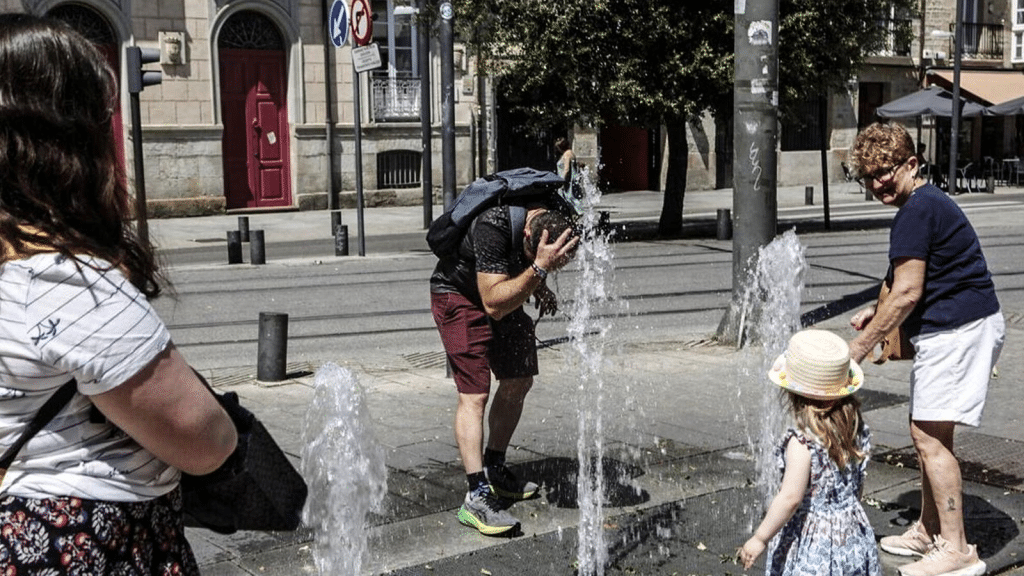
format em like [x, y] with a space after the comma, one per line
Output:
[650, 63]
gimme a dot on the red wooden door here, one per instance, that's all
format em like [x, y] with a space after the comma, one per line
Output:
[624, 157]
[255, 141]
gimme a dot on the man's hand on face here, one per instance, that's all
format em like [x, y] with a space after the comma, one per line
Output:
[553, 255]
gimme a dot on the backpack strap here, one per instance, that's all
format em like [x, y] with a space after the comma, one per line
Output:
[53, 405]
[517, 219]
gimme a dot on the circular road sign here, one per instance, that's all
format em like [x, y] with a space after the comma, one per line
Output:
[338, 21]
[362, 22]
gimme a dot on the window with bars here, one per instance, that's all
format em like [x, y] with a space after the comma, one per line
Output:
[398, 169]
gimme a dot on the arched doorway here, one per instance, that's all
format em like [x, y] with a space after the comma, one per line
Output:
[253, 109]
[97, 30]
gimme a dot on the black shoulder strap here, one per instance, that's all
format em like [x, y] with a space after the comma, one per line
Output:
[517, 219]
[53, 405]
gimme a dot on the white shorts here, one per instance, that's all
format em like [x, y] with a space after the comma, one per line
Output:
[949, 379]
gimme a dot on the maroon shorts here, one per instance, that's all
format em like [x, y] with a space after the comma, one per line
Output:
[476, 346]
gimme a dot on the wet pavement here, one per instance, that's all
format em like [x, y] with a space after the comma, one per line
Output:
[681, 495]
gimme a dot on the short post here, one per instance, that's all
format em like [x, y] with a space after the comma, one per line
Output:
[867, 194]
[243, 227]
[335, 220]
[990, 184]
[809, 195]
[257, 248]
[341, 240]
[724, 224]
[272, 347]
[234, 247]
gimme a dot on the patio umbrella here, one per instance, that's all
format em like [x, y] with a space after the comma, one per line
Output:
[1008, 108]
[933, 100]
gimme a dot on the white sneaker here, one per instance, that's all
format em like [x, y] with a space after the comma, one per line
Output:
[943, 560]
[913, 542]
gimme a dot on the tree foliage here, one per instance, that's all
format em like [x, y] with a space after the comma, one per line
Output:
[650, 63]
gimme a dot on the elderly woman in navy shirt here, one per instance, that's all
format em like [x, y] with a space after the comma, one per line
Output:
[943, 295]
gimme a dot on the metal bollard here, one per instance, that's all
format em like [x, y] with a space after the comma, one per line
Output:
[234, 247]
[867, 194]
[272, 347]
[257, 249]
[341, 240]
[335, 220]
[243, 227]
[809, 195]
[724, 224]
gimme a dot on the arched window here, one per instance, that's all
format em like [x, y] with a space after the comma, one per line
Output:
[250, 31]
[86, 22]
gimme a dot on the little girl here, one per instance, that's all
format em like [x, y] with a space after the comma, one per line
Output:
[815, 523]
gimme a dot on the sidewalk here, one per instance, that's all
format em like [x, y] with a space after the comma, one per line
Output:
[680, 495]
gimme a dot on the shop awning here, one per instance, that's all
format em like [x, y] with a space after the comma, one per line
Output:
[983, 86]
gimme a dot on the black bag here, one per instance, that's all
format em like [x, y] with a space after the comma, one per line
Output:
[257, 488]
[516, 187]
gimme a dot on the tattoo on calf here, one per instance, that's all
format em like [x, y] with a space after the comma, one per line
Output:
[951, 503]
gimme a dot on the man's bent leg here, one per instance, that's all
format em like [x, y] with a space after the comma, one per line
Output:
[506, 410]
[934, 444]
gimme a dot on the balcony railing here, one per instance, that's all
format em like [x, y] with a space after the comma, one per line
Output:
[981, 41]
[395, 99]
[897, 37]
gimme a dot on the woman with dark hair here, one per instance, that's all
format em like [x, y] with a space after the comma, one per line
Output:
[85, 495]
[943, 295]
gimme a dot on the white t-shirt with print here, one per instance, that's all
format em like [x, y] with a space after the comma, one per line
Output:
[61, 318]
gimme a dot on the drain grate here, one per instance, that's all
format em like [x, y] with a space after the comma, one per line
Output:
[426, 359]
[984, 459]
[236, 376]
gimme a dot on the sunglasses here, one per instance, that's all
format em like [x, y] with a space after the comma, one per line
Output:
[882, 175]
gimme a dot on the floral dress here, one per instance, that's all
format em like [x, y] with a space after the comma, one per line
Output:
[829, 534]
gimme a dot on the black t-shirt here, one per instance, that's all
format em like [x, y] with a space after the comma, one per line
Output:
[487, 247]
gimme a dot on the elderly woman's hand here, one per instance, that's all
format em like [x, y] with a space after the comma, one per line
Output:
[862, 318]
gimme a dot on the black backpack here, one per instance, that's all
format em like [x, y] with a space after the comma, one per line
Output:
[515, 188]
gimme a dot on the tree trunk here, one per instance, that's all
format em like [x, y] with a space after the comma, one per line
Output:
[671, 221]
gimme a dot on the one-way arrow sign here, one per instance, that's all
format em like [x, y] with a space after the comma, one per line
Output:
[338, 23]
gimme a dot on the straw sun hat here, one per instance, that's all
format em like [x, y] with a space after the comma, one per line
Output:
[817, 365]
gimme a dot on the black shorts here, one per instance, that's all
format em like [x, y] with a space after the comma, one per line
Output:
[477, 345]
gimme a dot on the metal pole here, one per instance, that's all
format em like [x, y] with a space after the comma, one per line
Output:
[243, 228]
[141, 222]
[823, 126]
[272, 347]
[359, 161]
[258, 248]
[332, 162]
[427, 166]
[954, 121]
[234, 247]
[447, 102]
[755, 138]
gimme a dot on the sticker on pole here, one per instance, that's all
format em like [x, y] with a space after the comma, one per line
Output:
[338, 23]
[362, 22]
[366, 57]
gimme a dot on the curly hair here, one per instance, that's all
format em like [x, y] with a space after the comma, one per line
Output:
[835, 424]
[61, 186]
[881, 145]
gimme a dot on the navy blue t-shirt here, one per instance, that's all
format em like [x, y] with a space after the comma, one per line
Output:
[958, 287]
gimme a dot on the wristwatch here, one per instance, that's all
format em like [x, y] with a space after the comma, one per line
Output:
[539, 272]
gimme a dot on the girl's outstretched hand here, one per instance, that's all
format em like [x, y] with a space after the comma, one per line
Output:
[751, 549]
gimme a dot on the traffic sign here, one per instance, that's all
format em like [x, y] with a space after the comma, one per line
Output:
[362, 22]
[366, 57]
[338, 23]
